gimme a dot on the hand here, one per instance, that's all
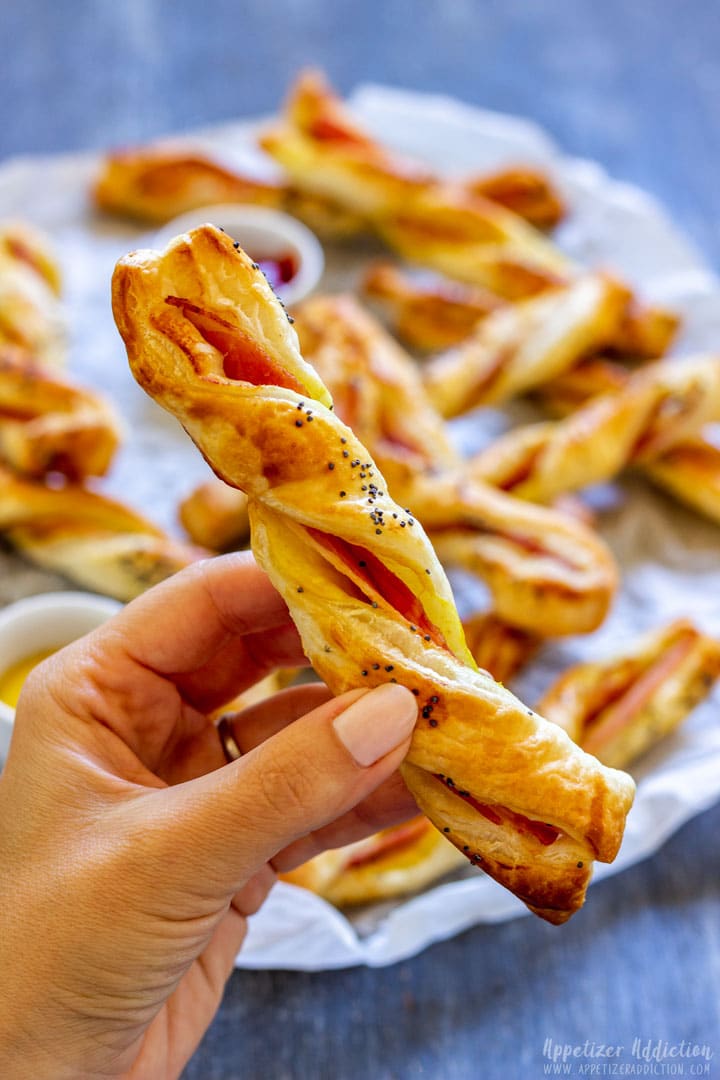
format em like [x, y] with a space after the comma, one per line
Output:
[131, 854]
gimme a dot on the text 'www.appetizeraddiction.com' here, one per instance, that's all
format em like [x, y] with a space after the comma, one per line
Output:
[642, 1057]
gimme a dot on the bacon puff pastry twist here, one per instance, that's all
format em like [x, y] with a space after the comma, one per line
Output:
[49, 425]
[91, 539]
[30, 312]
[156, 183]
[434, 314]
[400, 860]
[662, 405]
[443, 225]
[618, 708]
[524, 345]
[547, 573]
[207, 338]
[689, 471]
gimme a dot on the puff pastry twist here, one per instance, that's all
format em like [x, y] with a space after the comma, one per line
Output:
[30, 313]
[91, 539]
[208, 340]
[689, 471]
[619, 708]
[524, 345]
[435, 314]
[546, 573]
[47, 424]
[661, 406]
[448, 226]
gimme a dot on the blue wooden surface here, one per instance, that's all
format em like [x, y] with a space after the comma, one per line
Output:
[635, 85]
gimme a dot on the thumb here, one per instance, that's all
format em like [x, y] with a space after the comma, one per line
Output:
[235, 819]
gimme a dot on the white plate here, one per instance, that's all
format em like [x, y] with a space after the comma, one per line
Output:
[671, 558]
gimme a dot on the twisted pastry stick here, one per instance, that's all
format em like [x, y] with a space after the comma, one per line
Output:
[428, 315]
[689, 471]
[400, 860]
[663, 405]
[95, 541]
[526, 191]
[208, 340]
[215, 516]
[436, 314]
[497, 646]
[159, 182]
[440, 224]
[546, 573]
[618, 708]
[30, 314]
[49, 425]
[26, 245]
[525, 345]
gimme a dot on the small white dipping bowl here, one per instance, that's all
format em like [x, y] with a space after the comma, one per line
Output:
[41, 623]
[263, 234]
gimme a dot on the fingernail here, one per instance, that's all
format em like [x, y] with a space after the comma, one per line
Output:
[376, 723]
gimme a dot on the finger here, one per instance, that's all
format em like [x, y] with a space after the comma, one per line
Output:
[179, 625]
[239, 663]
[120, 677]
[390, 805]
[201, 751]
[304, 777]
[264, 719]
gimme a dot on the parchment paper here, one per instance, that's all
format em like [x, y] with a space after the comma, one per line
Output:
[670, 557]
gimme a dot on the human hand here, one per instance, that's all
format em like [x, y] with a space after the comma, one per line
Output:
[131, 854]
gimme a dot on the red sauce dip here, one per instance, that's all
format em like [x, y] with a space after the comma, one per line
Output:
[278, 269]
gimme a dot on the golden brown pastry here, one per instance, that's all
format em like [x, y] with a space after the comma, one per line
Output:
[646, 332]
[91, 539]
[546, 573]
[439, 224]
[497, 646]
[527, 344]
[526, 191]
[156, 183]
[207, 338]
[663, 405]
[22, 243]
[49, 425]
[395, 862]
[375, 385]
[691, 473]
[30, 313]
[431, 314]
[618, 708]
[215, 516]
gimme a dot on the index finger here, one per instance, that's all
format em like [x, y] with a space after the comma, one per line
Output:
[180, 625]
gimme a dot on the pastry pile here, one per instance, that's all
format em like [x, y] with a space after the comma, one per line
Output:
[332, 447]
[56, 437]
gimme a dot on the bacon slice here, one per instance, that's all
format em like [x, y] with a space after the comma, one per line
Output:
[380, 581]
[243, 359]
[500, 815]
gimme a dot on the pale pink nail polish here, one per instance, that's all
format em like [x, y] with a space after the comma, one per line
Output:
[376, 723]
